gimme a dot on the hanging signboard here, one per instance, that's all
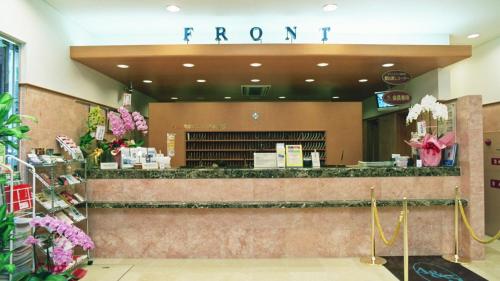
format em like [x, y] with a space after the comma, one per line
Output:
[396, 77]
[396, 97]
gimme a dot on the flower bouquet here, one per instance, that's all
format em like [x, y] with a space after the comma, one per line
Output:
[123, 124]
[57, 239]
[430, 146]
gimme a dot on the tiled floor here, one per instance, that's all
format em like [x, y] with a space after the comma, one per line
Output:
[344, 269]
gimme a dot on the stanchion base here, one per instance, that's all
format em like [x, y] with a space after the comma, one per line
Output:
[456, 259]
[373, 261]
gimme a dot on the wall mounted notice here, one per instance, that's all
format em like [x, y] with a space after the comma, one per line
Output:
[294, 156]
[171, 144]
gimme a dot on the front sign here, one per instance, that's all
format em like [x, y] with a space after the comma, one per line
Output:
[396, 77]
[256, 33]
[396, 97]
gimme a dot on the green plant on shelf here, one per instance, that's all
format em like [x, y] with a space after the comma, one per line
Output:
[12, 128]
[6, 232]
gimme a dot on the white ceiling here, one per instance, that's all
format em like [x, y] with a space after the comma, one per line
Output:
[359, 21]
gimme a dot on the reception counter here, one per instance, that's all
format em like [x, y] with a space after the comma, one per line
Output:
[246, 213]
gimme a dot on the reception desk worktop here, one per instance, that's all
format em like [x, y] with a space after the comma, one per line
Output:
[273, 173]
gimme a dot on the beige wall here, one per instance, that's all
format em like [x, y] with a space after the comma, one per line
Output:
[45, 37]
[56, 115]
[341, 121]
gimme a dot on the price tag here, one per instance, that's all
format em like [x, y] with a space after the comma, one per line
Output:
[99, 132]
[421, 128]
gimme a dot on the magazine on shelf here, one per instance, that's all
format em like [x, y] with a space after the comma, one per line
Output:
[62, 216]
[49, 202]
[74, 214]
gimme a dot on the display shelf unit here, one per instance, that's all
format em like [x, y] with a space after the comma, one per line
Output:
[20, 201]
[63, 194]
[235, 149]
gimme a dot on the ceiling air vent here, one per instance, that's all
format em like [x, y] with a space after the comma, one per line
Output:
[255, 90]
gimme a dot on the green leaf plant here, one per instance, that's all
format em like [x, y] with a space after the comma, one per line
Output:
[11, 125]
[6, 235]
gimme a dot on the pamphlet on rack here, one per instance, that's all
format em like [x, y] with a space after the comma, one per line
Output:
[294, 158]
[280, 155]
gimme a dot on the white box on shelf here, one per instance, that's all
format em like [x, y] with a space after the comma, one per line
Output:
[280, 155]
[109, 165]
[264, 160]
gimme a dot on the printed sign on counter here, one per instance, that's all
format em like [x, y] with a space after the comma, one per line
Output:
[294, 156]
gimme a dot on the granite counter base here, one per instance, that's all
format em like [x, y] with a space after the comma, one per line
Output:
[271, 204]
[274, 173]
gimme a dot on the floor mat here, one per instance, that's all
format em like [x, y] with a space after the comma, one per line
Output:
[431, 268]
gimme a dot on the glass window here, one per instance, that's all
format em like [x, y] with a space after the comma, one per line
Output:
[9, 75]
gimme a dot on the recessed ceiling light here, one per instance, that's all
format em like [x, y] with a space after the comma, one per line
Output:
[335, 97]
[188, 65]
[201, 80]
[122, 66]
[173, 8]
[364, 80]
[227, 98]
[473, 36]
[174, 98]
[282, 97]
[388, 65]
[310, 80]
[322, 64]
[255, 80]
[256, 64]
[330, 7]
[147, 81]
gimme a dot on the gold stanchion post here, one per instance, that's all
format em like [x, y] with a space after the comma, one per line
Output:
[455, 258]
[373, 259]
[405, 238]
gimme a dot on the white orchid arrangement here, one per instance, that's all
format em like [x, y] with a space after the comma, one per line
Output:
[430, 104]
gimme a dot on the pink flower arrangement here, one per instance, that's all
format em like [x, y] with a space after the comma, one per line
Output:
[68, 237]
[140, 122]
[117, 125]
[126, 122]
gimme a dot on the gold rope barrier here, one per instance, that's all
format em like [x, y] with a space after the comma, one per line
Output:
[405, 239]
[469, 227]
[381, 231]
[459, 208]
[373, 259]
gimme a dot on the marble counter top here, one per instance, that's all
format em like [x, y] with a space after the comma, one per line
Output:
[273, 173]
[272, 204]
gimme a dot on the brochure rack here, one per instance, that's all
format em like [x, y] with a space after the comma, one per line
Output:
[20, 201]
[63, 194]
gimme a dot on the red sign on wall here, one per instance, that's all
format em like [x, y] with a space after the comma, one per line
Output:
[396, 97]
[495, 183]
[495, 161]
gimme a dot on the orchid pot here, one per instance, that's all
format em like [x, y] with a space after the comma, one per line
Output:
[430, 148]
